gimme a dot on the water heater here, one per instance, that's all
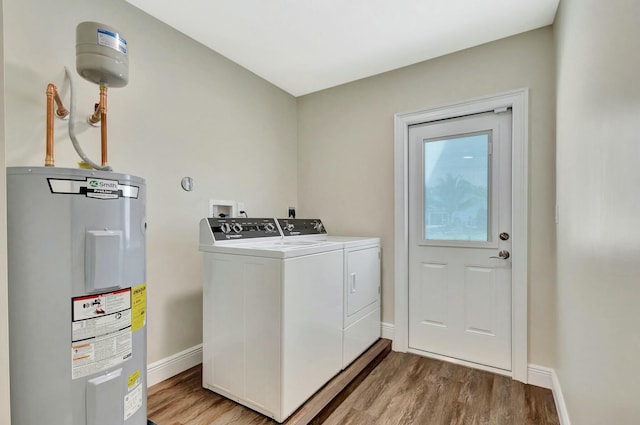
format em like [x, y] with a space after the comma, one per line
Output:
[77, 297]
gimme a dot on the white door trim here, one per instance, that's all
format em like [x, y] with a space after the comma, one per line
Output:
[518, 100]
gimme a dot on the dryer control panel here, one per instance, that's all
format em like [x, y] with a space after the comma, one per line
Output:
[301, 226]
[224, 229]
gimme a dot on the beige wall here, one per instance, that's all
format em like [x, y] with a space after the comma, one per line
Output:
[598, 149]
[187, 111]
[236, 136]
[346, 173]
[4, 315]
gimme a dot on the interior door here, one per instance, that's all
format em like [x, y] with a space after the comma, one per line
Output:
[460, 238]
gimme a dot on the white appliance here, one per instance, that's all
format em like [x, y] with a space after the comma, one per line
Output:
[273, 314]
[361, 319]
[361, 282]
[77, 297]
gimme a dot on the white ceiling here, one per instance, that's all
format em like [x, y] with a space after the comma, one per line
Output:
[304, 46]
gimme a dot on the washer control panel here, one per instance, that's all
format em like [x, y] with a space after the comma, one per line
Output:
[242, 228]
[301, 226]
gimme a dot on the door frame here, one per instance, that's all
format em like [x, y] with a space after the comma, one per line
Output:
[518, 101]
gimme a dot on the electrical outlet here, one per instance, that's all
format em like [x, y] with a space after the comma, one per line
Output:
[292, 212]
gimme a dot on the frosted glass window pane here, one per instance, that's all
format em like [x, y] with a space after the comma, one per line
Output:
[456, 189]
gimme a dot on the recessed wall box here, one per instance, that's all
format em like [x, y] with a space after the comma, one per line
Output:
[227, 208]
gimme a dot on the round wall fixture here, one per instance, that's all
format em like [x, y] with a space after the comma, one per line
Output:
[187, 184]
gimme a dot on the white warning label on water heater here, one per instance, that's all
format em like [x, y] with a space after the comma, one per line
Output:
[99, 305]
[101, 335]
[132, 401]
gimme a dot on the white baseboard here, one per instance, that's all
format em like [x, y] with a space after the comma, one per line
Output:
[561, 407]
[547, 378]
[540, 376]
[173, 365]
[388, 330]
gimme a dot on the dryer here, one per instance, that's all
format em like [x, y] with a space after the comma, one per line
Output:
[361, 282]
[273, 314]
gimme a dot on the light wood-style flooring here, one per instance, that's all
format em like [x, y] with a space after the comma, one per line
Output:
[403, 389]
[409, 389]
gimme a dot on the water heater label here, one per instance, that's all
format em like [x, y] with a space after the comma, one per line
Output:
[104, 325]
[101, 335]
[133, 380]
[93, 188]
[139, 307]
[98, 305]
[112, 40]
[132, 402]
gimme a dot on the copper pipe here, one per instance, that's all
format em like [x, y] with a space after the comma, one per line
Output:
[103, 125]
[61, 111]
[52, 92]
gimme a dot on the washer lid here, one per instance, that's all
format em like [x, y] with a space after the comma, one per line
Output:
[274, 248]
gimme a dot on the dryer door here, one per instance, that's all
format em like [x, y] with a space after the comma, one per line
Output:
[362, 280]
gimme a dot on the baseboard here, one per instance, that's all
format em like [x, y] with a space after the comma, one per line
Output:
[388, 330]
[173, 365]
[547, 378]
[540, 376]
[561, 407]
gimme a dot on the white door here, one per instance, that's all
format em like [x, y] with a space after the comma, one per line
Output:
[460, 238]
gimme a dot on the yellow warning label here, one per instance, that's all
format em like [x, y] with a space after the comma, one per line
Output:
[138, 307]
[133, 380]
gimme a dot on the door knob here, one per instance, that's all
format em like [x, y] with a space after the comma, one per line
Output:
[503, 255]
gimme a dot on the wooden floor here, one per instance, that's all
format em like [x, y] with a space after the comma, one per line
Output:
[403, 389]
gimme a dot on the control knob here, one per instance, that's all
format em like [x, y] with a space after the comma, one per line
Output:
[318, 226]
[289, 227]
[237, 227]
[225, 227]
[269, 227]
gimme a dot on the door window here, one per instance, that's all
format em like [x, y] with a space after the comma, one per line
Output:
[457, 188]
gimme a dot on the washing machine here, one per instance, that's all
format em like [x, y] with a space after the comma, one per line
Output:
[361, 282]
[273, 314]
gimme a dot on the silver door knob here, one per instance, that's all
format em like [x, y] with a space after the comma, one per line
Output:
[503, 255]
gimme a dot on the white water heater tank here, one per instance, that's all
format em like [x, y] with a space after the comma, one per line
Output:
[77, 297]
[101, 54]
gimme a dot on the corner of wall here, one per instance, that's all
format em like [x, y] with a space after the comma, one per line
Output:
[5, 405]
[558, 397]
